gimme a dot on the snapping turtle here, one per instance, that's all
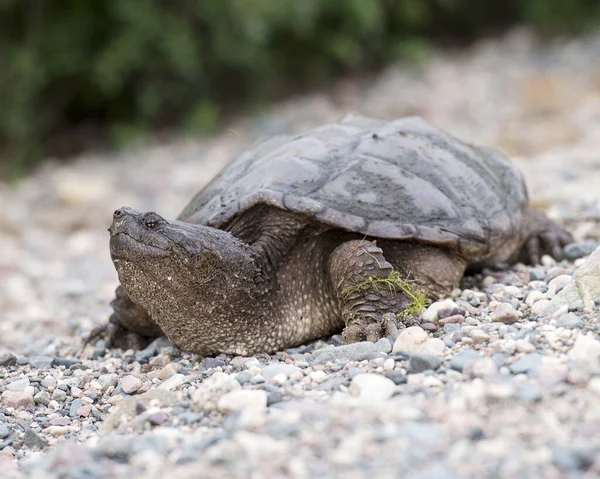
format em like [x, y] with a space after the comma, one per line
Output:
[303, 236]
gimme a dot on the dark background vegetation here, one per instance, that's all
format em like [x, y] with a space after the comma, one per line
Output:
[74, 71]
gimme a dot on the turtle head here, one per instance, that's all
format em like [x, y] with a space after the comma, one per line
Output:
[170, 267]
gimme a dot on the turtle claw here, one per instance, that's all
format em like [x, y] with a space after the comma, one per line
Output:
[116, 336]
[549, 238]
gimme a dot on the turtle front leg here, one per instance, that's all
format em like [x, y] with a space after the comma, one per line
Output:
[543, 236]
[367, 287]
[129, 326]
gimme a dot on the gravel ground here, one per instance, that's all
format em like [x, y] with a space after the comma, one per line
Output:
[492, 385]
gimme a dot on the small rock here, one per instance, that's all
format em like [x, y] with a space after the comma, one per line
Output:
[585, 352]
[272, 370]
[529, 392]
[579, 250]
[455, 319]
[532, 297]
[210, 363]
[420, 362]
[41, 362]
[318, 376]
[350, 352]
[482, 367]
[372, 387]
[4, 431]
[66, 362]
[505, 313]
[42, 398]
[212, 389]
[433, 346]
[173, 381]
[242, 399]
[430, 315]
[168, 371]
[528, 364]
[479, 336]
[33, 440]
[7, 358]
[18, 385]
[130, 384]
[398, 377]
[18, 399]
[463, 358]
[157, 418]
[410, 340]
[569, 320]
[524, 346]
[108, 380]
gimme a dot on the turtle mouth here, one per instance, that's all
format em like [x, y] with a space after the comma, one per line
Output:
[123, 246]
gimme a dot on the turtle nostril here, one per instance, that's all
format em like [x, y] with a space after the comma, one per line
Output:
[117, 213]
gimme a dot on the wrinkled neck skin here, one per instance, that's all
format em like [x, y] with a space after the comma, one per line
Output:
[193, 280]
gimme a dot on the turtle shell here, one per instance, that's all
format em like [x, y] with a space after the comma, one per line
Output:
[402, 179]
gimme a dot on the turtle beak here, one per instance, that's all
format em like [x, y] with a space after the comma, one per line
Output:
[121, 217]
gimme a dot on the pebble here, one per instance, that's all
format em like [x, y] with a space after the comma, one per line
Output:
[524, 346]
[372, 387]
[528, 364]
[18, 399]
[579, 250]
[505, 313]
[430, 315]
[130, 384]
[481, 367]
[173, 382]
[242, 399]
[7, 358]
[350, 352]
[479, 336]
[569, 320]
[273, 370]
[463, 358]
[420, 362]
[410, 340]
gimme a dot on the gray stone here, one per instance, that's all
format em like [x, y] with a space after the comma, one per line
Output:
[66, 362]
[530, 392]
[464, 358]
[7, 358]
[579, 250]
[43, 397]
[75, 405]
[107, 380]
[569, 320]
[210, 363]
[350, 352]
[500, 359]
[421, 362]
[41, 362]
[33, 440]
[4, 431]
[243, 377]
[528, 364]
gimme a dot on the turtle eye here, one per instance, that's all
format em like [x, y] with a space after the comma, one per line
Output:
[151, 220]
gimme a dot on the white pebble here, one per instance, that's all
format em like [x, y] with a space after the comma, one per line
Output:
[318, 376]
[410, 340]
[372, 387]
[243, 399]
[129, 384]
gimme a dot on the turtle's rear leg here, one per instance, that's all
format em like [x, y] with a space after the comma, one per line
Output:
[129, 326]
[368, 286]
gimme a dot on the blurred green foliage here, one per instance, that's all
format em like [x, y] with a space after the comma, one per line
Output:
[114, 69]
